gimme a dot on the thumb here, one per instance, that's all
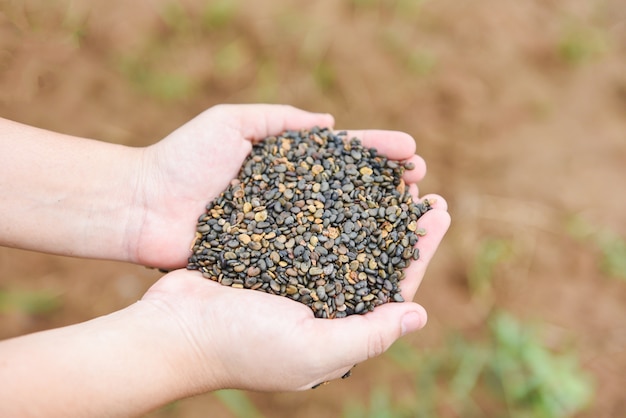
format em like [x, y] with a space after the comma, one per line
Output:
[360, 337]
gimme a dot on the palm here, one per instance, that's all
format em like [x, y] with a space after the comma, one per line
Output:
[249, 333]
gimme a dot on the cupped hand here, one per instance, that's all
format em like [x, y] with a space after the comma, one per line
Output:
[185, 171]
[247, 339]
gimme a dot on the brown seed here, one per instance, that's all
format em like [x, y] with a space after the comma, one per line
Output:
[244, 238]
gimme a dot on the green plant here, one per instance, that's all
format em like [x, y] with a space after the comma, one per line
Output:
[610, 245]
[415, 61]
[580, 44]
[613, 260]
[238, 403]
[219, 14]
[532, 378]
[381, 405]
[492, 252]
[32, 302]
[508, 372]
[163, 85]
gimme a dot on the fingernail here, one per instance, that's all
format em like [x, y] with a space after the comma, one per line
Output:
[411, 322]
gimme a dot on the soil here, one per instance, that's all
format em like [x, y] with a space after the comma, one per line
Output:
[519, 109]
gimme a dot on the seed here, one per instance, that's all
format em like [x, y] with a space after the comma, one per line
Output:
[315, 271]
[359, 307]
[315, 217]
[260, 216]
[316, 169]
[254, 245]
[366, 171]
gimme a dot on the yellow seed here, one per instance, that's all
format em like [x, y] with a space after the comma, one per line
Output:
[244, 238]
[366, 171]
[260, 216]
[412, 226]
[247, 207]
[316, 169]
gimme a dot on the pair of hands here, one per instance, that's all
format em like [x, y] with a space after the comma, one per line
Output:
[236, 338]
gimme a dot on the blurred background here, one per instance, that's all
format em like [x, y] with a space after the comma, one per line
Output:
[519, 109]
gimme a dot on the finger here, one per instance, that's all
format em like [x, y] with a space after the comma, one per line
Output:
[417, 173]
[392, 144]
[435, 222]
[257, 121]
[357, 338]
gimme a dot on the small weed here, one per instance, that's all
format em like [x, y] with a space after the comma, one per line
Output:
[28, 302]
[415, 61]
[230, 58]
[579, 44]
[219, 14]
[324, 75]
[176, 18]
[381, 405]
[267, 82]
[613, 261]
[76, 25]
[492, 252]
[166, 86]
[611, 246]
[238, 403]
[420, 63]
[532, 377]
[509, 372]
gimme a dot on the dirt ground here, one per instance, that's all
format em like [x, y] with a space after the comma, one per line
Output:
[519, 109]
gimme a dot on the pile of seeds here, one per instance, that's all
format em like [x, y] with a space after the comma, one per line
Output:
[314, 217]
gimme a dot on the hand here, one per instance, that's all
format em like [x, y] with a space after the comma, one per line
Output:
[182, 173]
[239, 338]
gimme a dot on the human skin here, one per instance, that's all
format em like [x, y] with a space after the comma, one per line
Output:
[187, 335]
